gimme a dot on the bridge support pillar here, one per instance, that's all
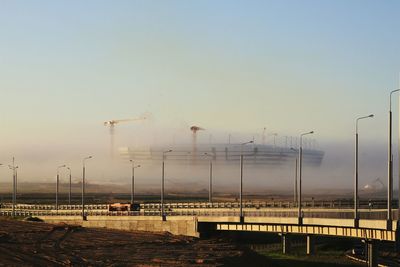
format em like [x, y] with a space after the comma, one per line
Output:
[398, 235]
[310, 245]
[286, 246]
[389, 225]
[372, 253]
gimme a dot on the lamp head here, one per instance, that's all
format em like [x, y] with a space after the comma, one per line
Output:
[371, 116]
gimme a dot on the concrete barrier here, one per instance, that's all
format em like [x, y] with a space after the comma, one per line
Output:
[186, 226]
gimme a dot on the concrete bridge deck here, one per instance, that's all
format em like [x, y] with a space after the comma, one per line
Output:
[326, 204]
[373, 214]
[193, 219]
[226, 216]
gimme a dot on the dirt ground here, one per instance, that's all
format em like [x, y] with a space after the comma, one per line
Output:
[38, 244]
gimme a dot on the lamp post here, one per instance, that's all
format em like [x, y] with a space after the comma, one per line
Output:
[390, 164]
[295, 177]
[14, 193]
[274, 135]
[300, 216]
[162, 184]
[133, 182]
[241, 179]
[210, 189]
[57, 184]
[70, 186]
[356, 219]
[1, 164]
[83, 186]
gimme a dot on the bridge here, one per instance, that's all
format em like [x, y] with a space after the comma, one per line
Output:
[318, 218]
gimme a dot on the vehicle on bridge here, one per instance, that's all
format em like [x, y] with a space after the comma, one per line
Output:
[124, 207]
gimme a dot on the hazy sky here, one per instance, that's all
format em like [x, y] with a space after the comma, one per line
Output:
[293, 66]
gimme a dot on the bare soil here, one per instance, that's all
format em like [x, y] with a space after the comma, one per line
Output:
[40, 244]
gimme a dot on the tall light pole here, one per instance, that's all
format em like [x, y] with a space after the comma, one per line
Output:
[83, 186]
[133, 182]
[300, 215]
[210, 189]
[398, 166]
[241, 179]
[295, 177]
[57, 184]
[390, 164]
[162, 184]
[274, 135]
[14, 194]
[70, 186]
[356, 218]
[1, 164]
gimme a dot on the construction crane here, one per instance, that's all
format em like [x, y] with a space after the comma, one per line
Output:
[374, 187]
[112, 123]
[194, 130]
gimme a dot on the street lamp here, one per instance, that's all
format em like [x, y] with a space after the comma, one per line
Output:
[83, 186]
[300, 216]
[295, 177]
[133, 182]
[356, 171]
[70, 186]
[162, 184]
[274, 135]
[390, 165]
[14, 194]
[57, 184]
[210, 191]
[1, 164]
[241, 179]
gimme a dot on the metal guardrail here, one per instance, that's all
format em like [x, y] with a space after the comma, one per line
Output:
[333, 204]
[53, 207]
[376, 215]
[328, 204]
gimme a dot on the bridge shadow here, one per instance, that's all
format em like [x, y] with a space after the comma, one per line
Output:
[258, 260]
[300, 263]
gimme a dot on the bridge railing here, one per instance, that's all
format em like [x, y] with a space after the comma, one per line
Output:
[333, 204]
[376, 215]
[53, 207]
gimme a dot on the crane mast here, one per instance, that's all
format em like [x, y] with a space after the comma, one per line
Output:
[111, 124]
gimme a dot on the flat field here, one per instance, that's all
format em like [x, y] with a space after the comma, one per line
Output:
[40, 244]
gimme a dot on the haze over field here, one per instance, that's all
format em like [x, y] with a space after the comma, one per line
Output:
[230, 67]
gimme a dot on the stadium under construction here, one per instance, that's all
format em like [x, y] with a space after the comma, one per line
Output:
[253, 154]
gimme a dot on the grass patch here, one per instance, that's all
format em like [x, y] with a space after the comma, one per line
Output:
[325, 256]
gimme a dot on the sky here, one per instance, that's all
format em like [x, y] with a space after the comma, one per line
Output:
[228, 66]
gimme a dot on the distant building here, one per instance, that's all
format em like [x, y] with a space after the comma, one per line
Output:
[254, 154]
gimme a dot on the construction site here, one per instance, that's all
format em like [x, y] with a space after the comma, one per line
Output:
[279, 150]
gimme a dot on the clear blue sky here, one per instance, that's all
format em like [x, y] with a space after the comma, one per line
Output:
[66, 66]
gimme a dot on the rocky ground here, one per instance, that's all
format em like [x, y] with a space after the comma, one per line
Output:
[38, 244]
